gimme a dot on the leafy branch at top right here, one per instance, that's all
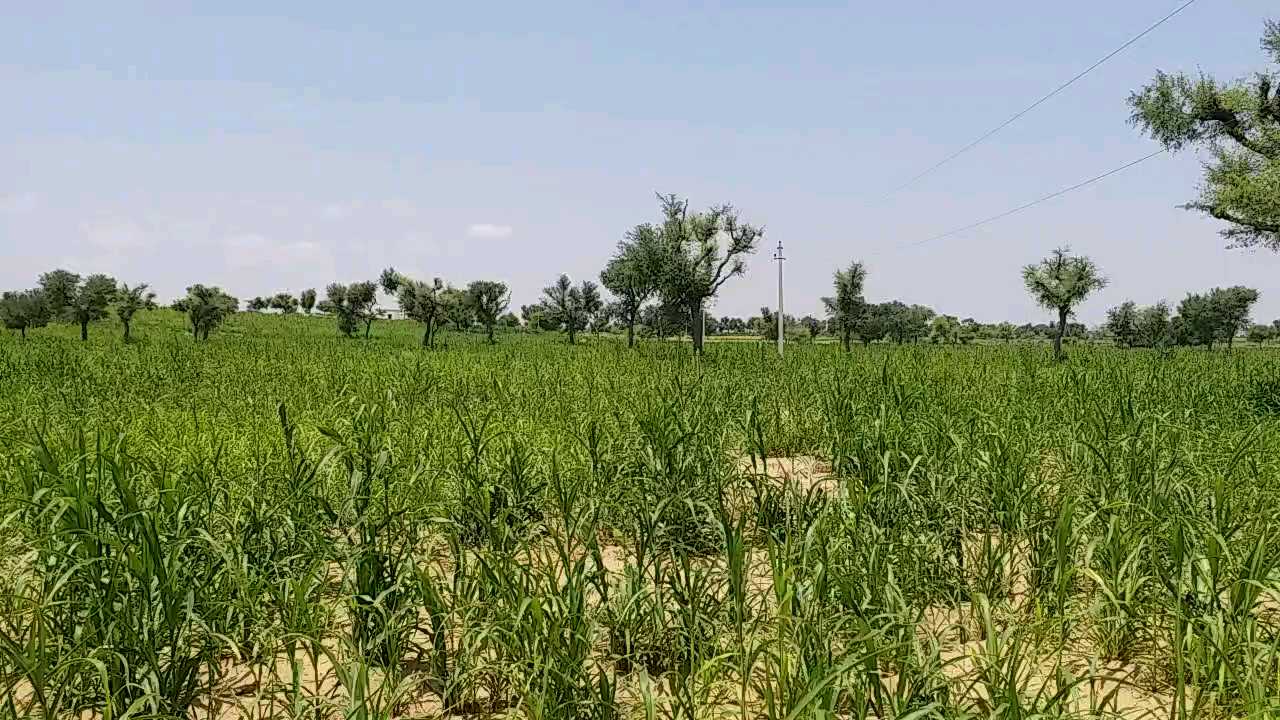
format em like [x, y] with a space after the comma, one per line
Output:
[1237, 124]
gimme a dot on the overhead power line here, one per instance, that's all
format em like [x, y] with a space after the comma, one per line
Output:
[1037, 201]
[1013, 118]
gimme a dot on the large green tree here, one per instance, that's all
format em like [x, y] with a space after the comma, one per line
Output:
[1122, 323]
[130, 300]
[1233, 306]
[633, 274]
[423, 302]
[1237, 125]
[846, 307]
[569, 307]
[698, 253]
[1152, 325]
[488, 300]
[1060, 283]
[308, 300]
[352, 305]
[945, 329]
[284, 302]
[23, 310]
[78, 301]
[457, 308]
[208, 307]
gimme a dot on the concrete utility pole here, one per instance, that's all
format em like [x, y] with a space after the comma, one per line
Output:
[777, 255]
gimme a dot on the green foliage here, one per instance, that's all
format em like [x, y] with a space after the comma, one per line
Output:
[570, 308]
[540, 530]
[129, 300]
[423, 302]
[308, 300]
[352, 305]
[633, 274]
[944, 329]
[1238, 125]
[845, 309]
[1259, 333]
[284, 302]
[1060, 282]
[457, 307]
[1216, 316]
[488, 299]
[75, 301]
[1122, 323]
[693, 265]
[1153, 326]
[207, 307]
[23, 310]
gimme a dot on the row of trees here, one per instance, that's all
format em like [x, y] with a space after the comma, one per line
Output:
[431, 303]
[1202, 319]
[286, 303]
[1060, 283]
[1217, 316]
[64, 296]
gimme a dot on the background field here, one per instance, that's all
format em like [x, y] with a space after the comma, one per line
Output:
[283, 523]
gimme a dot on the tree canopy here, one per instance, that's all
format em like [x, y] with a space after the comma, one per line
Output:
[208, 307]
[23, 310]
[570, 308]
[129, 301]
[284, 302]
[845, 308]
[698, 253]
[1060, 282]
[352, 305]
[1237, 124]
[488, 300]
[423, 302]
[78, 301]
[633, 274]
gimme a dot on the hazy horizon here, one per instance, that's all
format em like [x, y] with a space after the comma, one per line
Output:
[268, 153]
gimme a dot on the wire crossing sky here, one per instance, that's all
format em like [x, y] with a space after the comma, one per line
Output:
[1052, 93]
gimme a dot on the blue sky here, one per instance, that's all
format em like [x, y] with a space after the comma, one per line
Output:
[323, 142]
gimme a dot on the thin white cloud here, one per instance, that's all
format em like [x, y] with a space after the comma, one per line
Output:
[115, 235]
[488, 231]
[399, 208]
[251, 250]
[338, 211]
[19, 203]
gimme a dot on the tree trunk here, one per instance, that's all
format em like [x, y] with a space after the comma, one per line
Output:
[1062, 330]
[489, 330]
[368, 325]
[1230, 337]
[23, 330]
[84, 331]
[631, 332]
[126, 332]
[848, 341]
[426, 335]
[695, 326]
[573, 334]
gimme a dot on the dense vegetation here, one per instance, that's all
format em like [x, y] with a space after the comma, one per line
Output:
[194, 529]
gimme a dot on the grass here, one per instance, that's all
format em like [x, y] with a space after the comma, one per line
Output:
[281, 523]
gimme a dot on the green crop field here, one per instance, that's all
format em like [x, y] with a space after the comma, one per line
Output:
[283, 523]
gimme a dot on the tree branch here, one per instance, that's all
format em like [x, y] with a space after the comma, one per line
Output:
[1234, 129]
[1226, 216]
